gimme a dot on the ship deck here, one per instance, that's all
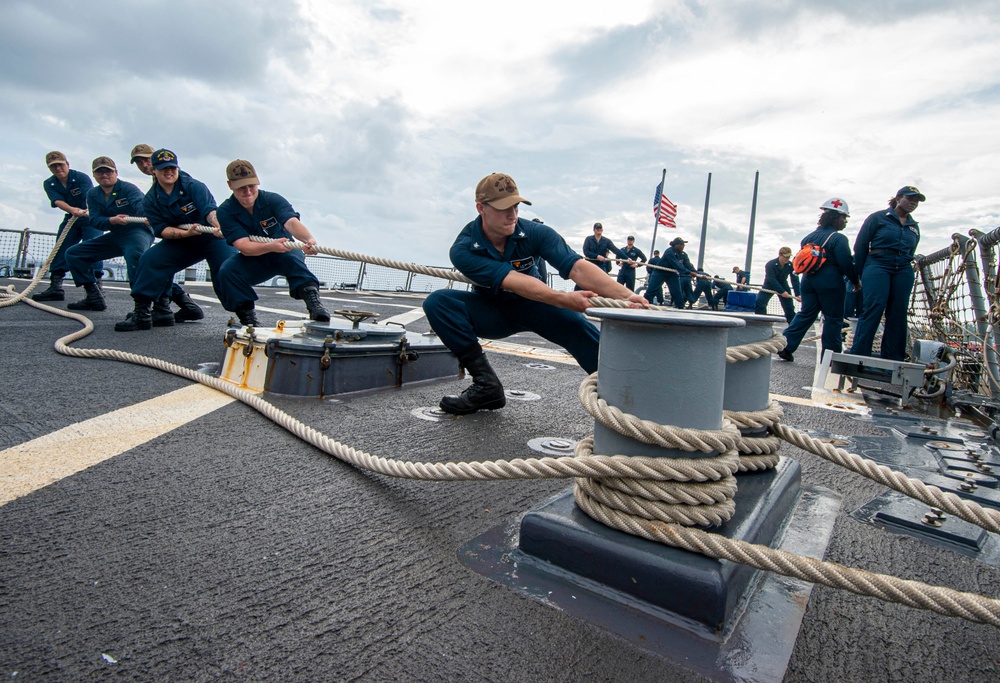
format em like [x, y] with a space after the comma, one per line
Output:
[200, 541]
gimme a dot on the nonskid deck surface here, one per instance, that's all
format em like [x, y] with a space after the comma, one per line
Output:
[223, 548]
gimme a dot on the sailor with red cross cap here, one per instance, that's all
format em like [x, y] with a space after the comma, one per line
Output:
[823, 289]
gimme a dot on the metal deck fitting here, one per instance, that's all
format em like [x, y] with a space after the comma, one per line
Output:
[909, 376]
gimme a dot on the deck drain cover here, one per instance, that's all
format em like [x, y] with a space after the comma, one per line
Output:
[431, 414]
[552, 445]
[946, 446]
[517, 395]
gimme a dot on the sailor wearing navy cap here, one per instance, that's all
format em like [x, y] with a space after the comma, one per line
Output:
[597, 246]
[174, 200]
[626, 269]
[883, 254]
[500, 252]
[142, 157]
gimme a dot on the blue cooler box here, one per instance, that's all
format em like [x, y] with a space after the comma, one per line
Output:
[741, 301]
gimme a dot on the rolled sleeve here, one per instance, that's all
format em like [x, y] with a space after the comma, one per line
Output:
[229, 222]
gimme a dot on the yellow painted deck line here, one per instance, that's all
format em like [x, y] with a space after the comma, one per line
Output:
[528, 351]
[47, 459]
[791, 399]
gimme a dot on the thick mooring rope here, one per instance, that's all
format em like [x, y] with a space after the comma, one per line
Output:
[660, 499]
[10, 299]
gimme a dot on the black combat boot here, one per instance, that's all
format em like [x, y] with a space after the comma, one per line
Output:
[486, 392]
[189, 309]
[316, 311]
[54, 292]
[94, 301]
[139, 319]
[247, 315]
[162, 315]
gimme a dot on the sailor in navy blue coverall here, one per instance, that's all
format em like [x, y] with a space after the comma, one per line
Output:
[67, 190]
[704, 286]
[174, 200]
[626, 269]
[500, 253]
[251, 211]
[654, 280]
[823, 290]
[883, 254]
[776, 272]
[597, 246]
[109, 204]
[678, 283]
[742, 278]
[722, 289]
[162, 315]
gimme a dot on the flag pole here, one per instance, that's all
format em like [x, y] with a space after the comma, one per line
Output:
[753, 219]
[656, 217]
[704, 225]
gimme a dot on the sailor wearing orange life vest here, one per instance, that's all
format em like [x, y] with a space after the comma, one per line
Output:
[823, 290]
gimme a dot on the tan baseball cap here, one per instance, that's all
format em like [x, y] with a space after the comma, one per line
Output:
[141, 150]
[103, 162]
[499, 191]
[55, 158]
[241, 173]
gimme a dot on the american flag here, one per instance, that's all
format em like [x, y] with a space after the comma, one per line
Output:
[664, 209]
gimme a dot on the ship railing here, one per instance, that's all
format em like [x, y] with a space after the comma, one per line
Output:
[951, 305]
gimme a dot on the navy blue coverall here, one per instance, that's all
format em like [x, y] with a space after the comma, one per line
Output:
[883, 253]
[74, 193]
[678, 283]
[129, 241]
[240, 273]
[459, 318]
[654, 283]
[776, 278]
[189, 202]
[722, 292]
[626, 273]
[823, 291]
[592, 248]
[704, 286]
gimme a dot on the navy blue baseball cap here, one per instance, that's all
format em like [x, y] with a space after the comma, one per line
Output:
[910, 191]
[164, 158]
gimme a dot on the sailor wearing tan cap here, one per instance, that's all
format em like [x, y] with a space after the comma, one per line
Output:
[109, 204]
[67, 190]
[500, 253]
[249, 212]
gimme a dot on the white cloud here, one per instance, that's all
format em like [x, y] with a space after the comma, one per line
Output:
[377, 118]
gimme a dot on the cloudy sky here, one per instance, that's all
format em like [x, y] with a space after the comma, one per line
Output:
[376, 119]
